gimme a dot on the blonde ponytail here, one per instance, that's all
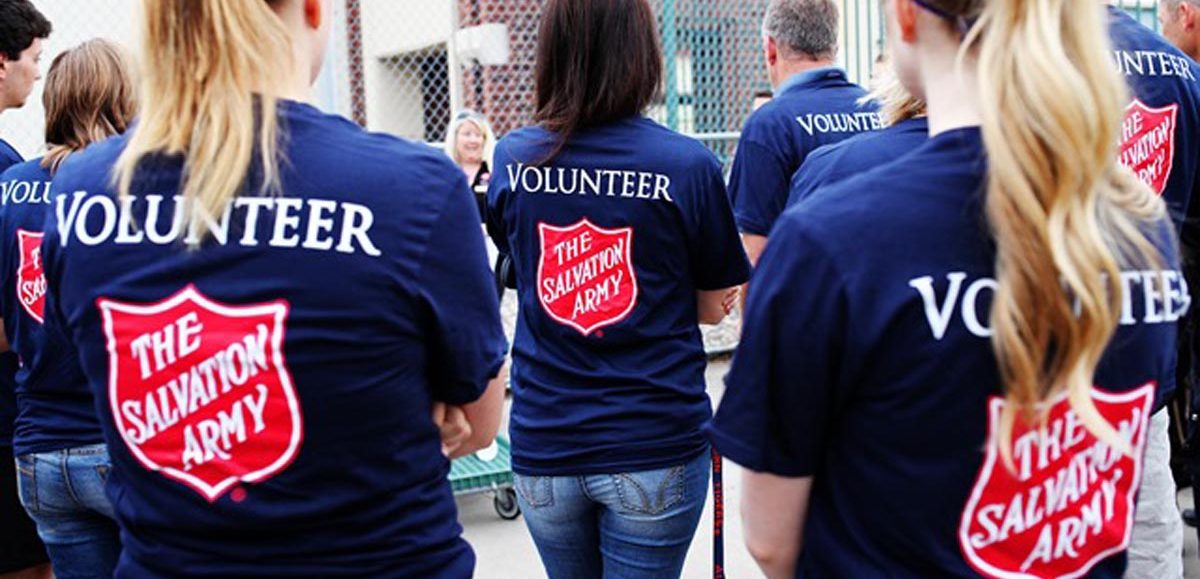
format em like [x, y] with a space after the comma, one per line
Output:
[1065, 216]
[205, 63]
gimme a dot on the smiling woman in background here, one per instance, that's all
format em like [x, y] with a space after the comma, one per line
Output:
[471, 143]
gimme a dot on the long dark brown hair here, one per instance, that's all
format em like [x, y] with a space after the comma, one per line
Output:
[598, 61]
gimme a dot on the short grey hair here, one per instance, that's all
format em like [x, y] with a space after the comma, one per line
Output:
[1173, 5]
[805, 27]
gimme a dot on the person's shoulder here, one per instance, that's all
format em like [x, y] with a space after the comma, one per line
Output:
[8, 155]
[342, 148]
[779, 108]
[821, 157]
[528, 144]
[677, 149]
[31, 170]
[90, 169]
[896, 193]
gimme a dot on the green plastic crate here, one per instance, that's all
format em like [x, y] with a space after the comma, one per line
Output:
[471, 474]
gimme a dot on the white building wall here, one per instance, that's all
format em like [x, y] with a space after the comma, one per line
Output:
[392, 31]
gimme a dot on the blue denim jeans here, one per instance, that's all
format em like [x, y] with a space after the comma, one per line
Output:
[63, 492]
[615, 526]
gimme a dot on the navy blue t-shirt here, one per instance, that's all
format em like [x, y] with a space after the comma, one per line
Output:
[8, 156]
[266, 397]
[858, 154]
[1160, 137]
[811, 109]
[866, 363]
[56, 409]
[8, 360]
[611, 241]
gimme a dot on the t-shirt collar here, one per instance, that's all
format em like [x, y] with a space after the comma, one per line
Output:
[811, 76]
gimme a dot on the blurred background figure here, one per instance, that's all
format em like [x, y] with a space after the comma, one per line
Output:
[471, 143]
[1181, 24]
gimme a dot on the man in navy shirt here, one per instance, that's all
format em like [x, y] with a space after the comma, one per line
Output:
[907, 129]
[814, 105]
[22, 29]
[1181, 24]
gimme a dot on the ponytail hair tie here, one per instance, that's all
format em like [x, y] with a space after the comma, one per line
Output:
[961, 22]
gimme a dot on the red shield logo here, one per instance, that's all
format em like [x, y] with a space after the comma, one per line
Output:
[1148, 143]
[1069, 505]
[586, 278]
[31, 277]
[200, 391]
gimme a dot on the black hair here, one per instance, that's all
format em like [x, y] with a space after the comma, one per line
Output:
[20, 25]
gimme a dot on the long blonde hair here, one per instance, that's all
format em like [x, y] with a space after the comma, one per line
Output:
[1065, 216]
[203, 63]
[89, 96]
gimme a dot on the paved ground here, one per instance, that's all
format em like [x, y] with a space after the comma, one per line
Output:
[505, 550]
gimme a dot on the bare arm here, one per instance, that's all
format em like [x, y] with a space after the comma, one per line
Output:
[713, 306]
[754, 244]
[4, 345]
[466, 429]
[773, 512]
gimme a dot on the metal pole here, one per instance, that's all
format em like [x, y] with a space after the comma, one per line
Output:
[354, 42]
[452, 62]
[670, 53]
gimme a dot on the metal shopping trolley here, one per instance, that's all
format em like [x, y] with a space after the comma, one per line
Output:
[489, 470]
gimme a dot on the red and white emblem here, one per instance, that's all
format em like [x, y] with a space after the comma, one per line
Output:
[1148, 143]
[31, 276]
[200, 391]
[1070, 503]
[586, 278]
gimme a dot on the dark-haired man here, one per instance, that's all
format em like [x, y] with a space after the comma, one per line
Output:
[814, 105]
[22, 29]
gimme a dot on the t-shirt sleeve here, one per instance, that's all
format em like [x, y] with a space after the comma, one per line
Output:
[8, 251]
[465, 341]
[8, 156]
[758, 186]
[52, 268]
[810, 176]
[787, 383]
[718, 260]
[8, 245]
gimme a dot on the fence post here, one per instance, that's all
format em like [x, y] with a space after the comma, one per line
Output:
[358, 85]
[456, 70]
[670, 54]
